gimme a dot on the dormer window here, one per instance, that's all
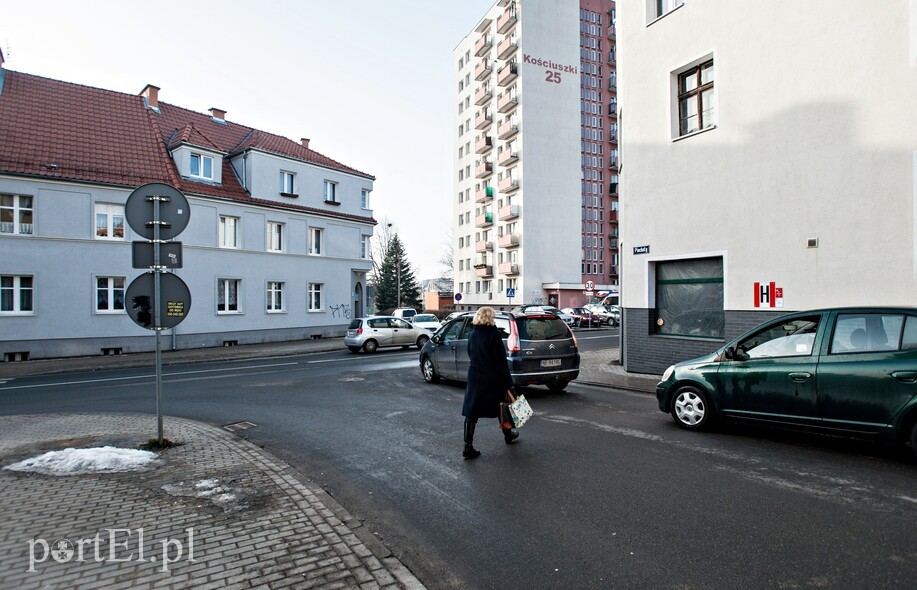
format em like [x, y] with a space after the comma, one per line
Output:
[201, 166]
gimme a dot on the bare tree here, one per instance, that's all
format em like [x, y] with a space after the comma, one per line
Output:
[379, 246]
[447, 258]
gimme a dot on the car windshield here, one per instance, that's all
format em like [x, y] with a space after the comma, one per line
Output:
[424, 318]
[542, 328]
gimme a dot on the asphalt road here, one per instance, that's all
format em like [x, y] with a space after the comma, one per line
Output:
[601, 491]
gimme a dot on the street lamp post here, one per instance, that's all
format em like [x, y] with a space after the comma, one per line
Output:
[397, 274]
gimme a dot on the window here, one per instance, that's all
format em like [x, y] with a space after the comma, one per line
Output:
[109, 221]
[228, 295]
[689, 298]
[286, 183]
[365, 247]
[331, 192]
[109, 294]
[16, 294]
[364, 199]
[274, 237]
[274, 297]
[792, 338]
[869, 333]
[15, 214]
[229, 232]
[315, 241]
[315, 296]
[695, 99]
[660, 8]
[202, 166]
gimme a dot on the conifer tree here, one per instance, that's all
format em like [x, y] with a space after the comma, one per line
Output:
[396, 270]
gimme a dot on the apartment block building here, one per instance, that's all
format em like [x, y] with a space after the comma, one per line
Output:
[277, 246]
[770, 165]
[535, 209]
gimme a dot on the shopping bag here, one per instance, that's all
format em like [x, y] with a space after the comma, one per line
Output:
[519, 409]
[506, 419]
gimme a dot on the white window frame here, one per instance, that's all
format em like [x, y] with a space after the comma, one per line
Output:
[16, 212]
[287, 182]
[365, 247]
[12, 285]
[201, 160]
[275, 301]
[364, 199]
[113, 286]
[111, 212]
[330, 192]
[275, 240]
[316, 294]
[229, 228]
[316, 241]
[224, 286]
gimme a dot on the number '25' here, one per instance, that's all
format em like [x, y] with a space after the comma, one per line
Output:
[550, 76]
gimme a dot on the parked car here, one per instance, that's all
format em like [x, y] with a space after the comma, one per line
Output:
[427, 321]
[583, 317]
[606, 314]
[371, 333]
[566, 318]
[850, 371]
[405, 313]
[454, 315]
[541, 349]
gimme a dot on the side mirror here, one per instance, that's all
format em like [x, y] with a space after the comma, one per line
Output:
[729, 353]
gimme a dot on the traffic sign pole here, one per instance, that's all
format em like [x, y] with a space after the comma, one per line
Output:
[157, 312]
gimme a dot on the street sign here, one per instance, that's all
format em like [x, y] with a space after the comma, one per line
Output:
[143, 254]
[510, 292]
[590, 285]
[174, 301]
[174, 211]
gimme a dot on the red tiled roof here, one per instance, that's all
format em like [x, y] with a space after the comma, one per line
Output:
[66, 131]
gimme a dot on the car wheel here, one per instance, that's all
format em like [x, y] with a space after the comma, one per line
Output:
[428, 370]
[421, 341]
[691, 409]
[354, 348]
[558, 385]
[370, 346]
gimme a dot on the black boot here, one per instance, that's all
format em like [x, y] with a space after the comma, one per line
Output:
[470, 452]
[509, 435]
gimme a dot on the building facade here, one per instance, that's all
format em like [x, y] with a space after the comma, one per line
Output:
[767, 168]
[533, 145]
[277, 245]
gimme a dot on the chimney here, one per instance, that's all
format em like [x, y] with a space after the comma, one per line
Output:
[150, 94]
[305, 142]
[218, 115]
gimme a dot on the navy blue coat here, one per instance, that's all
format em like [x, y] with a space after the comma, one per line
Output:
[488, 373]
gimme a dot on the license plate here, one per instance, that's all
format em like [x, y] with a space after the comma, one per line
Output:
[550, 363]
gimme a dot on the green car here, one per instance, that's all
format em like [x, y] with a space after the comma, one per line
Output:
[850, 371]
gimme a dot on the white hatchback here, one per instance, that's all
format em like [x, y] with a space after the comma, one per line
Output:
[426, 320]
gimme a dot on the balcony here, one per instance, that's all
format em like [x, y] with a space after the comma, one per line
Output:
[612, 216]
[483, 144]
[484, 169]
[612, 243]
[509, 268]
[507, 129]
[485, 220]
[507, 47]
[613, 165]
[613, 270]
[483, 120]
[483, 95]
[508, 241]
[508, 212]
[507, 156]
[483, 246]
[507, 74]
[611, 31]
[483, 45]
[507, 20]
[483, 70]
[484, 194]
[507, 101]
[613, 188]
[484, 271]
[613, 109]
[508, 184]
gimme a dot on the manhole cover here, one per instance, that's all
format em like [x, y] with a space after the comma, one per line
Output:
[239, 426]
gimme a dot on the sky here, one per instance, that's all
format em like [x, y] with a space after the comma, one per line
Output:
[371, 86]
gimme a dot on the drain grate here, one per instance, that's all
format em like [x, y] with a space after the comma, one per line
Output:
[237, 426]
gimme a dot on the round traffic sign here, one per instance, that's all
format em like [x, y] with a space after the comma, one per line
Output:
[590, 285]
[174, 300]
[174, 211]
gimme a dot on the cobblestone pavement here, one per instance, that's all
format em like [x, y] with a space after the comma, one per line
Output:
[214, 512]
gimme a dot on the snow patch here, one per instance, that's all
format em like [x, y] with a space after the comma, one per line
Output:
[82, 461]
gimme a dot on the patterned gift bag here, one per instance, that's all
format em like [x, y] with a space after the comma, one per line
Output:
[521, 411]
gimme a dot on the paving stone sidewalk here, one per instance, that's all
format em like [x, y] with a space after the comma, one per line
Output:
[215, 512]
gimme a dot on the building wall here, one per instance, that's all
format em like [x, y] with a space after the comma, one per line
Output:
[815, 137]
[65, 258]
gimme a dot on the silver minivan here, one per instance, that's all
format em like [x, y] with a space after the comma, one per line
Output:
[370, 333]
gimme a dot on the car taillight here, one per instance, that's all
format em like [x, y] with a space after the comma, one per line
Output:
[512, 341]
[359, 331]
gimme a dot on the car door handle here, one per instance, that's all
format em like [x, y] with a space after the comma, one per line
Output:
[800, 377]
[905, 376]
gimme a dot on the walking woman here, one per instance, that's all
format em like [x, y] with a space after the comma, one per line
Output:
[488, 378]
